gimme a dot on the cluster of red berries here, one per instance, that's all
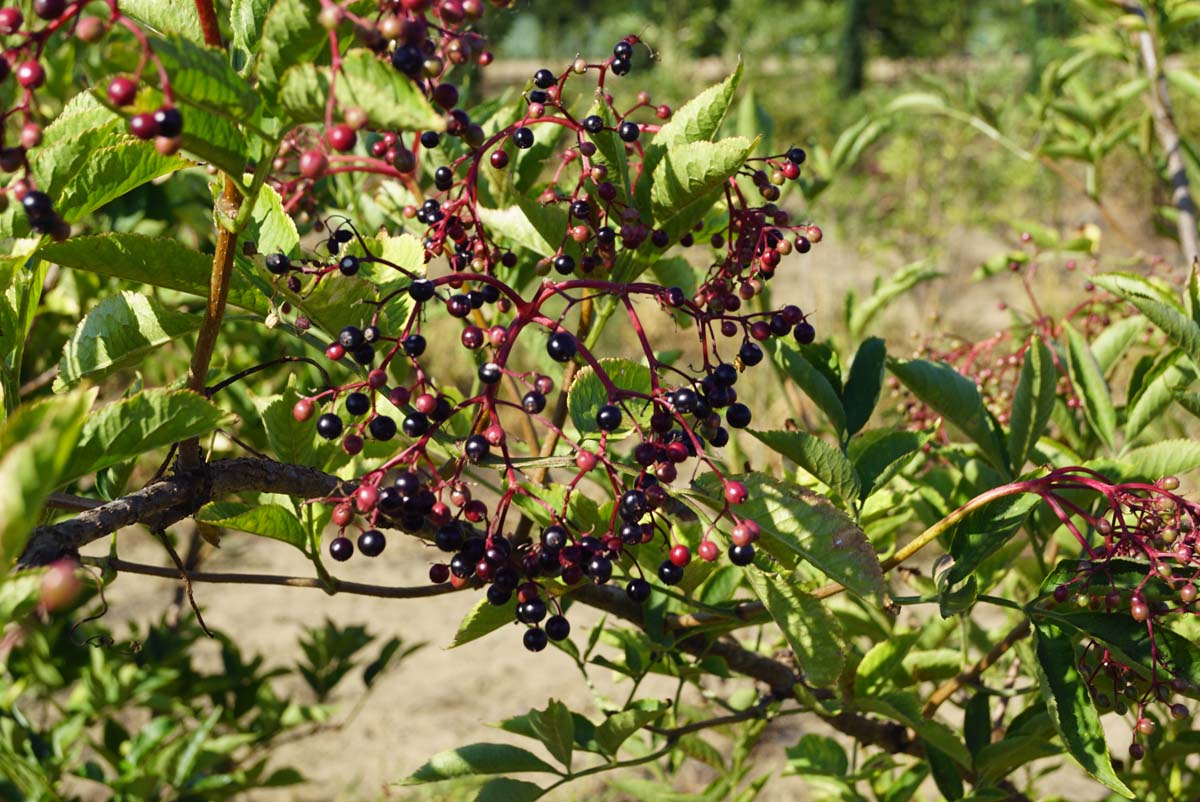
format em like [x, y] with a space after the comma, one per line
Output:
[1149, 544]
[23, 61]
[681, 416]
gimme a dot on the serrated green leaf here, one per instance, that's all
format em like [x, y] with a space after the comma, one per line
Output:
[291, 34]
[271, 228]
[120, 332]
[158, 261]
[166, 17]
[478, 759]
[813, 382]
[1033, 402]
[689, 180]
[483, 619]
[906, 708]
[1111, 344]
[817, 754]
[587, 394]
[555, 728]
[996, 761]
[984, 531]
[291, 441]
[810, 630]
[618, 727]
[267, 520]
[140, 424]
[1091, 388]
[880, 454]
[818, 458]
[797, 523]
[246, 18]
[1151, 462]
[956, 398]
[1160, 308]
[700, 118]
[202, 76]
[1165, 381]
[1070, 706]
[882, 661]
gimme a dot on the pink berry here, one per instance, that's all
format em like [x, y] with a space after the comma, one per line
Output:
[376, 379]
[366, 497]
[11, 20]
[313, 164]
[303, 409]
[31, 74]
[735, 492]
[335, 352]
[143, 126]
[121, 91]
[60, 585]
[343, 514]
[585, 461]
[680, 555]
[341, 137]
[708, 551]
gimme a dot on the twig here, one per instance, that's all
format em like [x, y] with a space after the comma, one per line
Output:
[183, 574]
[950, 686]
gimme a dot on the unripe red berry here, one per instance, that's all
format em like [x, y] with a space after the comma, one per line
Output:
[31, 135]
[343, 514]
[302, 410]
[11, 20]
[143, 126]
[31, 74]
[366, 497]
[352, 444]
[89, 29]
[425, 403]
[708, 551]
[168, 145]
[376, 379]
[49, 9]
[335, 352]
[341, 137]
[1138, 610]
[663, 112]
[121, 91]
[735, 492]
[313, 164]
[680, 555]
[585, 461]
[60, 585]
[494, 434]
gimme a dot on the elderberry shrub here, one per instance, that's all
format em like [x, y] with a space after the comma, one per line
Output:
[602, 227]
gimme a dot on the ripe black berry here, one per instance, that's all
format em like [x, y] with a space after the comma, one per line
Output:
[523, 138]
[750, 354]
[169, 121]
[538, 96]
[606, 235]
[408, 60]
[608, 418]
[329, 426]
[372, 334]
[720, 438]
[498, 595]
[796, 155]
[581, 209]
[415, 424]
[531, 611]
[544, 79]
[448, 538]
[535, 640]
[564, 263]
[382, 427]
[358, 404]
[348, 265]
[341, 549]
[351, 337]
[600, 570]
[621, 66]
[443, 178]
[462, 566]
[633, 504]
[738, 416]
[476, 447]
[414, 345]
[489, 373]
[638, 590]
[725, 375]
[554, 537]
[371, 542]
[623, 49]
[628, 131]
[804, 333]
[422, 289]
[684, 400]
[363, 354]
[593, 123]
[741, 555]
[561, 346]
[557, 627]
[430, 139]
[277, 263]
[670, 573]
[533, 402]
[37, 204]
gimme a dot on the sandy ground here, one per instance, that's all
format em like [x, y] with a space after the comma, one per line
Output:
[440, 698]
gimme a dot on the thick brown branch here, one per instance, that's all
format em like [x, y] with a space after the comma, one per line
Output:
[164, 503]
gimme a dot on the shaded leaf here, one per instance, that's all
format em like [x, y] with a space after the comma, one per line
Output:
[811, 631]
[863, 385]
[1033, 402]
[818, 458]
[476, 759]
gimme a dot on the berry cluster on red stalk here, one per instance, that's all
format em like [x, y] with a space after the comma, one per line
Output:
[23, 60]
[1142, 546]
[677, 422]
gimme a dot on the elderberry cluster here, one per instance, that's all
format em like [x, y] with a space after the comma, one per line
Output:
[1147, 562]
[27, 42]
[676, 418]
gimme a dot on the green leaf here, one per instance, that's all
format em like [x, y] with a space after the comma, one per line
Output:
[880, 454]
[246, 18]
[267, 520]
[193, 746]
[391, 100]
[477, 759]
[20, 592]
[813, 382]
[1181, 330]
[291, 441]
[202, 76]
[984, 531]
[1166, 380]
[818, 458]
[483, 619]
[36, 444]
[887, 290]
[1032, 403]
[612, 151]
[503, 789]
[954, 397]
[158, 261]
[587, 394]
[1091, 387]
[271, 228]
[882, 661]
[120, 332]
[811, 631]
[1070, 706]
[617, 728]
[817, 754]
[555, 728]
[166, 17]
[1151, 462]
[996, 761]
[700, 118]
[861, 393]
[137, 425]
[291, 34]
[798, 523]
[515, 226]
[906, 708]
[1111, 344]
[689, 180]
